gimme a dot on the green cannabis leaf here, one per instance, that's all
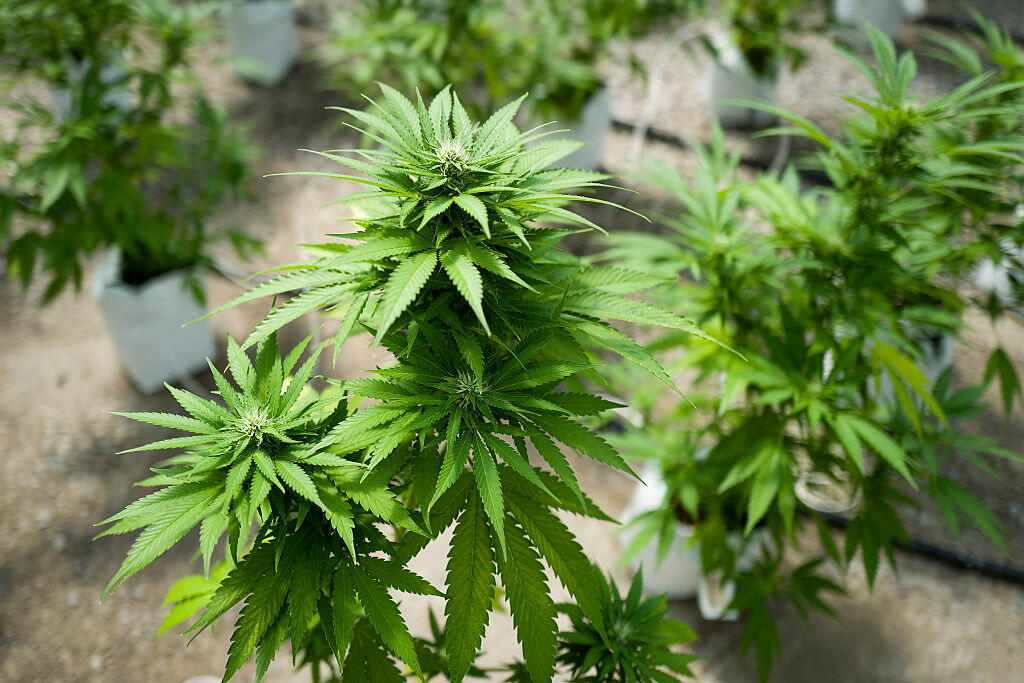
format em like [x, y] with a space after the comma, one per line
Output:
[495, 332]
[631, 643]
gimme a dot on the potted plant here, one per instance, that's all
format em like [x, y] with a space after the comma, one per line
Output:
[560, 72]
[680, 507]
[822, 292]
[120, 176]
[492, 50]
[697, 537]
[485, 48]
[65, 42]
[1000, 276]
[565, 42]
[262, 38]
[748, 57]
[487, 318]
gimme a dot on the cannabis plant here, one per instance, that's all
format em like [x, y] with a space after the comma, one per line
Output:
[486, 49]
[636, 644]
[831, 296]
[608, 19]
[494, 331]
[38, 35]
[636, 647]
[994, 46]
[489, 49]
[108, 162]
[762, 31]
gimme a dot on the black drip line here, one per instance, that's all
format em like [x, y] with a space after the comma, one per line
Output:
[949, 557]
[811, 176]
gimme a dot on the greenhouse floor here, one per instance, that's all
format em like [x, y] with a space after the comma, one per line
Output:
[60, 472]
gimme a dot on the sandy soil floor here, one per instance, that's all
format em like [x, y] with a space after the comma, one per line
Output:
[59, 472]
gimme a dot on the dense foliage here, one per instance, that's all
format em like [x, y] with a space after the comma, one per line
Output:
[490, 50]
[838, 299]
[458, 274]
[117, 156]
[821, 384]
[993, 46]
[636, 644]
[762, 31]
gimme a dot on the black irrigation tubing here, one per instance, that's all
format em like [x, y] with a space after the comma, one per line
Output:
[809, 175]
[952, 558]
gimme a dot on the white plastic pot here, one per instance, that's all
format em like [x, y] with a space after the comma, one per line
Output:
[729, 78]
[714, 594]
[262, 38]
[680, 573]
[885, 15]
[998, 279]
[61, 97]
[590, 128]
[915, 9]
[993, 278]
[826, 494]
[146, 325]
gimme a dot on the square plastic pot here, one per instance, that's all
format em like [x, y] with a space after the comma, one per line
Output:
[680, 575]
[729, 77]
[590, 128]
[886, 15]
[262, 38]
[62, 99]
[146, 323]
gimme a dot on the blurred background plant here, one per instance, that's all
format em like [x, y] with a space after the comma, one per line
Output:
[757, 41]
[838, 299]
[491, 50]
[1001, 275]
[763, 32]
[127, 153]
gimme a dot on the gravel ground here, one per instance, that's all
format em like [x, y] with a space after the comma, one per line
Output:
[59, 473]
